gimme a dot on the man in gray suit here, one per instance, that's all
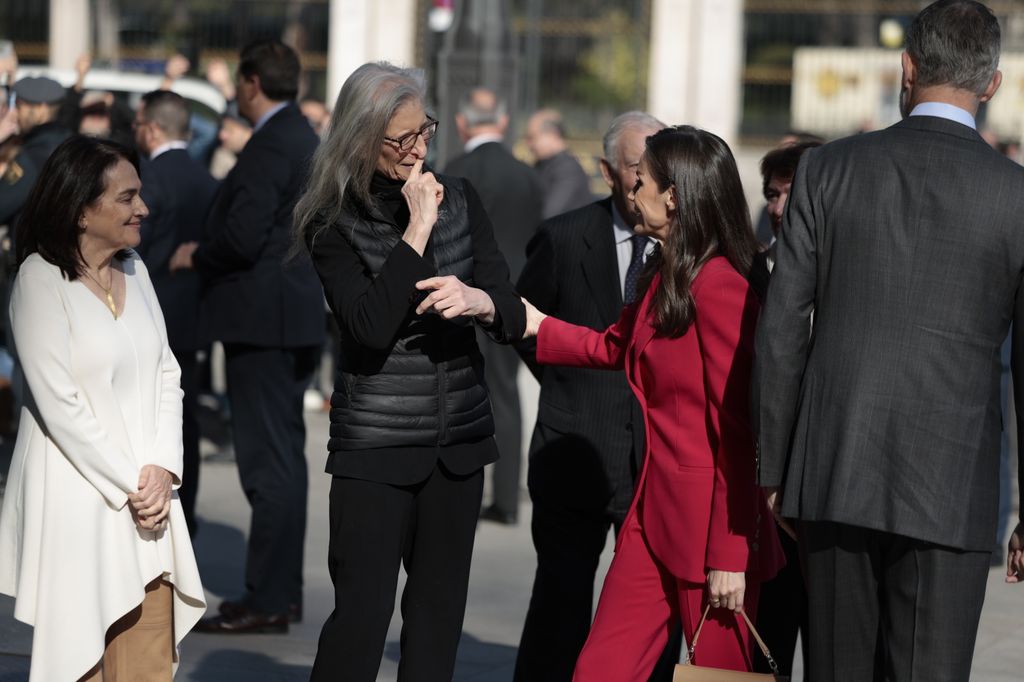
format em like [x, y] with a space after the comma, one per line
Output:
[879, 428]
[566, 185]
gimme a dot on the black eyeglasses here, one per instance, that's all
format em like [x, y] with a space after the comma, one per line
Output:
[406, 142]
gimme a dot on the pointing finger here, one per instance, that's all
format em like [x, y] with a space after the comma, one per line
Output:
[414, 174]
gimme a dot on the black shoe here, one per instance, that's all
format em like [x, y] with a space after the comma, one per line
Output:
[244, 622]
[493, 513]
[234, 608]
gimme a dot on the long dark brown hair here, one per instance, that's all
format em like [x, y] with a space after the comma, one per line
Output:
[711, 219]
[72, 179]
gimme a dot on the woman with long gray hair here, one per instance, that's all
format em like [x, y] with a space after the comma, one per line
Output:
[409, 264]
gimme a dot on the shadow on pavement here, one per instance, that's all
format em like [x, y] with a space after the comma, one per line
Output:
[228, 665]
[220, 553]
[474, 657]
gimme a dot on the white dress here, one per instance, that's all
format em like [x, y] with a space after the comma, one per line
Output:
[103, 400]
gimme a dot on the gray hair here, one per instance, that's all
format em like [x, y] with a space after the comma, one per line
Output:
[346, 158]
[955, 43]
[622, 123]
[481, 107]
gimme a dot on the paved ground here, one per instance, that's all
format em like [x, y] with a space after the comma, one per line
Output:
[500, 586]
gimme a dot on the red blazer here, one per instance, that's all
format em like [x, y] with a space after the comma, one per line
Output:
[697, 497]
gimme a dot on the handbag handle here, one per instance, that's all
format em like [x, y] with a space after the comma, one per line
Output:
[760, 642]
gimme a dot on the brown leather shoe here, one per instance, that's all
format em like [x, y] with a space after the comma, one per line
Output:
[243, 622]
[233, 608]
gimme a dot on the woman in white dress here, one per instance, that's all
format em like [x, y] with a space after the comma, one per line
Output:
[93, 542]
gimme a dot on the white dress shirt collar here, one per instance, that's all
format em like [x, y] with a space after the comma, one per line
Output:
[267, 116]
[166, 147]
[946, 111]
[477, 140]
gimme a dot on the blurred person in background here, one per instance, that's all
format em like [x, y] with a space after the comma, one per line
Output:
[565, 184]
[36, 107]
[410, 266]
[93, 541]
[511, 194]
[269, 317]
[235, 132]
[588, 442]
[782, 614]
[777, 170]
[93, 112]
[317, 113]
[764, 228]
[178, 192]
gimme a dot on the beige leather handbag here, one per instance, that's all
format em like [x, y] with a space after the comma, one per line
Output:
[687, 672]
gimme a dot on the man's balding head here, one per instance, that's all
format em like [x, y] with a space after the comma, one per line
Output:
[545, 134]
[481, 112]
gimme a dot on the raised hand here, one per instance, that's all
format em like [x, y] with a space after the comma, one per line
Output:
[219, 75]
[423, 194]
[1015, 556]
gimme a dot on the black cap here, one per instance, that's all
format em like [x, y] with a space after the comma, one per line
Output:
[39, 90]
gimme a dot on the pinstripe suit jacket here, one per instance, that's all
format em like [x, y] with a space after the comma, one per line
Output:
[907, 245]
[588, 440]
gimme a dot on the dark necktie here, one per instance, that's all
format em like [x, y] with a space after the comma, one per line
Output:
[636, 264]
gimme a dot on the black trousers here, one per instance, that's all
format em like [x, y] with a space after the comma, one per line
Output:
[265, 386]
[920, 602]
[190, 436]
[782, 614]
[569, 543]
[501, 365]
[376, 527]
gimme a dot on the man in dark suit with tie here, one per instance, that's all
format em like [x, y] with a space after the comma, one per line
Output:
[511, 195]
[268, 311]
[178, 192]
[589, 437]
[879, 427]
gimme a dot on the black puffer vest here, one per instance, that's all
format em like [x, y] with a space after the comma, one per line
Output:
[428, 389]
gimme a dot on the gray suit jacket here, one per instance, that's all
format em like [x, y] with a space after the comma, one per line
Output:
[907, 245]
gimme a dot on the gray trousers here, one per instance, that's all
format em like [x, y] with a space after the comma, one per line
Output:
[888, 607]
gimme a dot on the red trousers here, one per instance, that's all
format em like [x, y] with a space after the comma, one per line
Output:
[639, 600]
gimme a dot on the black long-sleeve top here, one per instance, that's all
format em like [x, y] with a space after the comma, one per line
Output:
[371, 310]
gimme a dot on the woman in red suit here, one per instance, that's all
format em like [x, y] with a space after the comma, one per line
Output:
[696, 533]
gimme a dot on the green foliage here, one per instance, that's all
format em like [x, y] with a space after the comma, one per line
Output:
[613, 71]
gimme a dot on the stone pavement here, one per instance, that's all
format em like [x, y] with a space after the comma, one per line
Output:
[499, 590]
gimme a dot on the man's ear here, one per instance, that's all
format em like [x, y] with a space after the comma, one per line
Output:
[257, 87]
[909, 77]
[997, 80]
[606, 173]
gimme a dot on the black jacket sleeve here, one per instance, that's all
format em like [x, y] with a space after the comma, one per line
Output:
[257, 186]
[371, 310]
[538, 284]
[491, 274]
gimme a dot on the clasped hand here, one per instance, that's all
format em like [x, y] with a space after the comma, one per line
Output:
[450, 298]
[152, 503]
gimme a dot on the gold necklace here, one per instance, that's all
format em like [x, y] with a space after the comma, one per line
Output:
[109, 291]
